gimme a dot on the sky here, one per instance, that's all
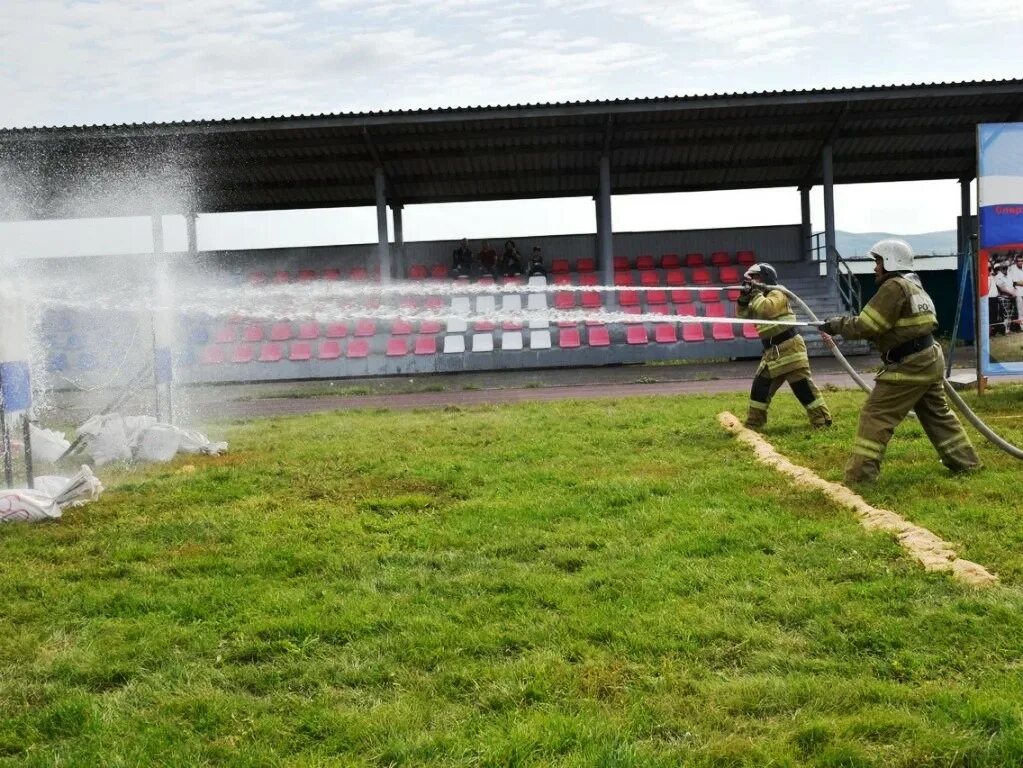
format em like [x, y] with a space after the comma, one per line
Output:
[75, 62]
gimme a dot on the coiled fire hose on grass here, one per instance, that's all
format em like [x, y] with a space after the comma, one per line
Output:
[992, 437]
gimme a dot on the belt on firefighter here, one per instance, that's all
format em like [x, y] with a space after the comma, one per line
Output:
[907, 348]
[777, 339]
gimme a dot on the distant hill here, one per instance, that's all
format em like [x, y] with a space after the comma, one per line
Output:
[857, 244]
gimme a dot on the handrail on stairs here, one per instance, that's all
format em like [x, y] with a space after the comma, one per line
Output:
[844, 278]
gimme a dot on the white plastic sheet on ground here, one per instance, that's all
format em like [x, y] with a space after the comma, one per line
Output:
[47, 445]
[49, 498]
[112, 437]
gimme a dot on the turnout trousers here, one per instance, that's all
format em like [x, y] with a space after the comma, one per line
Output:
[889, 404]
[765, 386]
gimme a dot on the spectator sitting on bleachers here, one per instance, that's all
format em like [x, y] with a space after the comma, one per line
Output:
[511, 262]
[461, 260]
[487, 260]
[536, 266]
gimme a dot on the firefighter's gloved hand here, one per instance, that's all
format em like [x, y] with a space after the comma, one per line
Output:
[832, 326]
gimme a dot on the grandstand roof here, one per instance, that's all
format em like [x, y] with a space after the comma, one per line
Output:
[671, 144]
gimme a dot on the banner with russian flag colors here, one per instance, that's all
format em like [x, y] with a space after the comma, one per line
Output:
[1000, 256]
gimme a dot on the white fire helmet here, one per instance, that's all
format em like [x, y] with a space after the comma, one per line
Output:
[896, 255]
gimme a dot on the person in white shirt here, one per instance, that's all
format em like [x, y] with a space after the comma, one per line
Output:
[1015, 275]
[995, 313]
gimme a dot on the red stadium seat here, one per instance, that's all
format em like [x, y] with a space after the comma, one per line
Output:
[417, 272]
[682, 297]
[364, 327]
[598, 337]
[749, 331]
[439, 272]
[358, 348]
[401, 327]
[242, 354]
[568, 338]
[212, 355]
[623, 278]
[430, 326]
[280, 276]
[628, 298]
[397, 346]
[719, 331]
[226, 335]
[332, 273]
[691, 331]
[592, 300]
[636, 334]
[358, 273]
[675, 277]
[280, 332]
[746, 258]
[586, 265]
[301, 350]
[257, 278]
[701, 276]
[733, 294]
[730, 276]
[484, 326]
[710, 296]
[330, 350]
[589, 278]
[336, 331]
[631, 310]
[564, 300]
[305, 275]
[512, 325]
[670, 261]
[720, 258]
[426, 345]
[659, 309]
[652, 279]
[513, 280]
[564, 279]
[434, 303]
[620, 263]
[271, 353]
[409, 303]
[309, 331]
[694, 260]
[560, 266]
[645, 262]
[664, 333]
[253, 333]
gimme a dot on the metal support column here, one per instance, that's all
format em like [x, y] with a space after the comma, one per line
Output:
[827, 165]
[399, 242]
[965, 207]
[5, 440]
[383, 246]
[605, 249]
[807, 230]
[193, 241]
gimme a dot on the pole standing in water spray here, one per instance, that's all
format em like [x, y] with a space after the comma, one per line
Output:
[15, 375]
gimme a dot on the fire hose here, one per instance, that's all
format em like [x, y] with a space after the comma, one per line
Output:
[992, 437]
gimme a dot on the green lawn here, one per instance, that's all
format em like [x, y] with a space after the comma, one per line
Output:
[605, 583]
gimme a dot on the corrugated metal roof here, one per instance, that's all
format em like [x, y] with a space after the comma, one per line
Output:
[724, 141]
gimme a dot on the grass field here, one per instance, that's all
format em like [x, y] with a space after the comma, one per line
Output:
[606, 583]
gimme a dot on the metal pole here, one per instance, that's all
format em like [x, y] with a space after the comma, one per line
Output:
[829, 210]
[399, 241]
[605, 244]
[965, 230]
[383, 246]
[5, 439]
[27, 437]
[807, 230]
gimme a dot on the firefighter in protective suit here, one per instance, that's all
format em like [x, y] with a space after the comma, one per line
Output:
[900, 320]
[784, 356]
